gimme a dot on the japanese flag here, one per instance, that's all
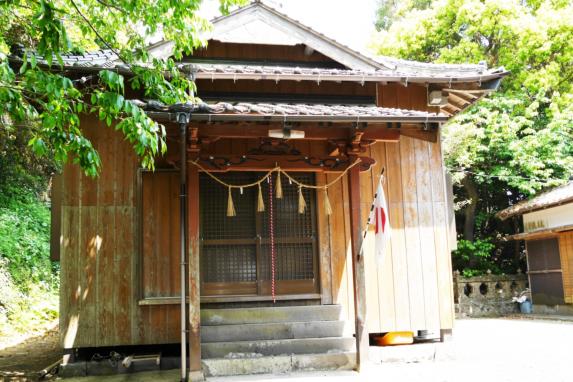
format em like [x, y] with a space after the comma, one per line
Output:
[379, 219]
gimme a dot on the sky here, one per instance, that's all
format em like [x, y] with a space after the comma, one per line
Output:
[349, 22]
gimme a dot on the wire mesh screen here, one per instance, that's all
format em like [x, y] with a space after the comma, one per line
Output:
[237, 249]
[215, 225]
[294, 232]
[230, 263]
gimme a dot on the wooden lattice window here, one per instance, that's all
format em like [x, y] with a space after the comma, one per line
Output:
[235, 251]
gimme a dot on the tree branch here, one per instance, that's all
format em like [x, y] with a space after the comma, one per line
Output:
[96, 32]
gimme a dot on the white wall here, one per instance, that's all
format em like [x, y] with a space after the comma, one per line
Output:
[550, 218]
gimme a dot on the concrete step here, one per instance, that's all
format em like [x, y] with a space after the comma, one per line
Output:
[277, 347]
[219, 367]
[272, 331]
[270, 314]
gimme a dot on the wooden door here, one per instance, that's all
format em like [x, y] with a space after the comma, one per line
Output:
[235, 251]
[545, 278]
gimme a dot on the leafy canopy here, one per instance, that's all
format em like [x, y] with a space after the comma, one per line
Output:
[49, 100]
[522, 135]
[515, 142]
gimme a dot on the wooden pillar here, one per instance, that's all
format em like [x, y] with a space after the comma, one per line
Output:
[362, 340]
[194, 274]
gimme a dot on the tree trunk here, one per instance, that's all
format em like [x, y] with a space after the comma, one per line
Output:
[470, 210]
[470, 213]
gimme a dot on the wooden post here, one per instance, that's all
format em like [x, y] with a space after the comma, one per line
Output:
[194, 274]
[362, 340]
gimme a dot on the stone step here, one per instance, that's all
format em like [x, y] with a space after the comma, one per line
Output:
[270, 314]
[219, 367]
[277, 347]
[272, 331]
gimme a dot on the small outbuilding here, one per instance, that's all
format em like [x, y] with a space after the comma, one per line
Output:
[548, 235]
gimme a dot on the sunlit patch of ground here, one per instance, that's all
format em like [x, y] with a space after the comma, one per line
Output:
[22, 356]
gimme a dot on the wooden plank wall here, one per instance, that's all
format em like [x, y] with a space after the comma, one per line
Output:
[160, 260]
[566, 253]
[412, 289]
[100, 282]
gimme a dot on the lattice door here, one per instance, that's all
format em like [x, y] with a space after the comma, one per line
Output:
[235, 251]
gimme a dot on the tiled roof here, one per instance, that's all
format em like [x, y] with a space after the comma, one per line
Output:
[410, 71]
[557, 196]
[302, 111]
[403, 70]
[104, 58]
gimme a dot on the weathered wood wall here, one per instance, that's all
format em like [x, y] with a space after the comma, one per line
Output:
[100, 254]
[104, 278]
[412, 289]
[566, 254]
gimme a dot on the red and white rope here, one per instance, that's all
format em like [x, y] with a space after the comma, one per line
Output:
[272, 237]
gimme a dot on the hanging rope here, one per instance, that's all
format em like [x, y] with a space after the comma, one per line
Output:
[269, 173]
[230, 205]
[301, 201]
[279, 189]
[272, 237]
[327, 206]
[260, 202]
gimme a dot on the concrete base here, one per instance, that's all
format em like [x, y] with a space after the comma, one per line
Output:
[435, 351]
[558, 310]
[241, 316]
[106, 368]
[219, 367]
[277, 347]
[272, 331]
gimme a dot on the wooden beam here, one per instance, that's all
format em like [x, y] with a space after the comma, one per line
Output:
[458, 101]
[359, 281]
[424, 135]
[312, 132]
[220, 163]
[56, 215]
[194, 273]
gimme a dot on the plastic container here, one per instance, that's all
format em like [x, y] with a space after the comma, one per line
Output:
[525, 307]
[395, 338]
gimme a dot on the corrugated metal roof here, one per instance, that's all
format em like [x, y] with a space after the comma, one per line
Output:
[557, 196]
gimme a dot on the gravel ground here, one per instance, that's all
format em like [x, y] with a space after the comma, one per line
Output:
[497, 350]
[21, 361]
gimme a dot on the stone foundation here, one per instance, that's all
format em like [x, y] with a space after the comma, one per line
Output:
[488, 295]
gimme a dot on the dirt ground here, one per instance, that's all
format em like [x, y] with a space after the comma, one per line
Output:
[500, 350]
[22, 361]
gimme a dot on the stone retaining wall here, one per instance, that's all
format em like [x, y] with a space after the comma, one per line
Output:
[488, 295]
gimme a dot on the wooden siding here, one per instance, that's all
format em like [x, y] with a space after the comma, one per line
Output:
[103, 277]
[566, 253]
[217, 50]
[160, 260]
[100, 252]
[412, 289]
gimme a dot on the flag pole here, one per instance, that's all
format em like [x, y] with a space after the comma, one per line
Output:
[368, 220]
